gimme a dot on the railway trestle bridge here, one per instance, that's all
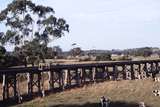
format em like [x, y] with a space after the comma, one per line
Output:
[63, 76]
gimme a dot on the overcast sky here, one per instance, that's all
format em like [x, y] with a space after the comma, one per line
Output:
[107, 24]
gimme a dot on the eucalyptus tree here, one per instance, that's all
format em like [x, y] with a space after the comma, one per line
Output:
[27, 22]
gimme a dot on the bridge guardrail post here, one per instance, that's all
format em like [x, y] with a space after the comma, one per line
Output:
[4, 87]
[132, 72]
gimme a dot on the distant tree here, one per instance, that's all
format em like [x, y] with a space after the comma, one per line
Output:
[103, 57]
[76, 51]
[49, 53]
[146, 51]
[57, 51]
[53, 52]
[27, 22]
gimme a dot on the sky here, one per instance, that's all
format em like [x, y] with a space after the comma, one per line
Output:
[106, 24]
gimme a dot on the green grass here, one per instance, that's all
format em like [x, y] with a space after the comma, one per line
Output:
[122, 94]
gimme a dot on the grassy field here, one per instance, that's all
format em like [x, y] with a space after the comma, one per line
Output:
[121, 93]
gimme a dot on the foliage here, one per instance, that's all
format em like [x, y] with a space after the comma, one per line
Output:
[57, 51]
[52, 52]
[2, 50]
[103, 57]
[76, 51]
[49, 54]
[7, 60]
[2, 55]
[145, 51]
[30, 28]
[32, 52]
[25, 20]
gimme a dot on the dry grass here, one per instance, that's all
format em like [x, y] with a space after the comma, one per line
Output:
[121, 93]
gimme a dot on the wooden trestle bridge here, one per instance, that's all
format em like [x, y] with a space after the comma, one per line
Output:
[64, 76]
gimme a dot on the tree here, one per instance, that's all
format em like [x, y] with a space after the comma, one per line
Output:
[32, 52]
[2, 51]
[145, 52]
[27, 22]
[103, 57]
[75, 51]
[57, 51]
[49, 54]
[2, 56]
[6, 59]
[20, 56]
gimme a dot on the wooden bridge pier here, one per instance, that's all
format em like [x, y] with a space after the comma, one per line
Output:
[78, 77]
[119, 70]
[107, 74]
[136, 70]
[34, 80]
[9, 82]
[88, 76]
[74, 77]
[157, 69]
[56, 80]
[99, 74]
[51, 80]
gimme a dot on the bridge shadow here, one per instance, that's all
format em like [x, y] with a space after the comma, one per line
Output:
[12, 101]
[112, 104]
[26, 98]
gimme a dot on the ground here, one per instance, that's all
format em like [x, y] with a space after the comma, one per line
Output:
[126, 93]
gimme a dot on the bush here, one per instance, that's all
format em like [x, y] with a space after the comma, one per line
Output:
[103, 57]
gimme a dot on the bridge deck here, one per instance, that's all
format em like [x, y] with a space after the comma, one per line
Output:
[73, 66]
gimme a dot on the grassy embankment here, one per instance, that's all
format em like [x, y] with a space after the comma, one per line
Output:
[122, 94]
